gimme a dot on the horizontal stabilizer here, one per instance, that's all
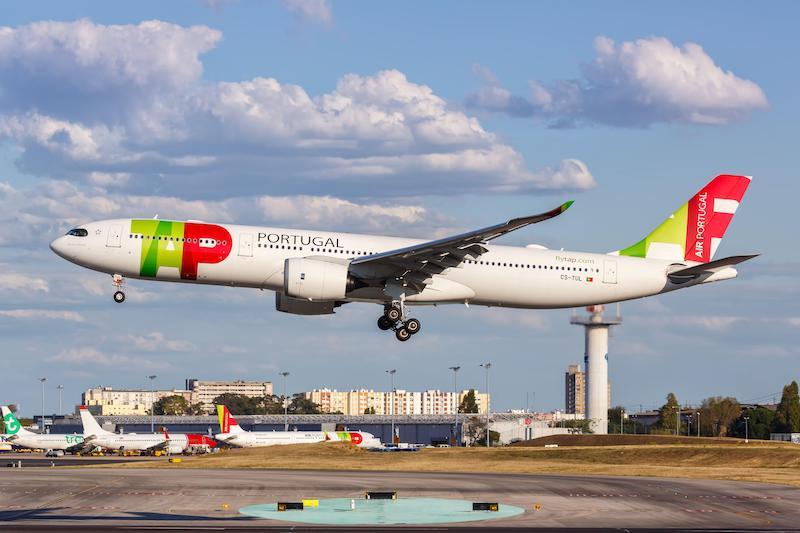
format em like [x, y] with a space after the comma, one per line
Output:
[698, 270]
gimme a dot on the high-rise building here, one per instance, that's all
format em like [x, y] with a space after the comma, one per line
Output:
[103, 401]
[358, 402]
[574, 388]
[575, 391]
[204, 392]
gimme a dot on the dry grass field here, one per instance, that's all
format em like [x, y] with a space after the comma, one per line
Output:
[708, 459]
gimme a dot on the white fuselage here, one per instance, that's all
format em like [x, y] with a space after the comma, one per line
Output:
[255, 439]
[45, 441]
[139, 442]
[505, 276]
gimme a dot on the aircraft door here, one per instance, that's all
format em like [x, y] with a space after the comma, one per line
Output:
[114, 239]
[610, 271]
[246, 244]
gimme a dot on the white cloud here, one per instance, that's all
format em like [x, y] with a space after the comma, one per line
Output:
[633, 84]
[92, 356]
[33, 219]
[316, 210]
[713, 323]
[134, 113]
[310, 10]
[157, 342]
[794, 321]
[13, 281]
[70, 316]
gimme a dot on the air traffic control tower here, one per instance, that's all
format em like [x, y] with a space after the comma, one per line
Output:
[596, 363]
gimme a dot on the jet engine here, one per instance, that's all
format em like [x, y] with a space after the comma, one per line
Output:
[315, 279]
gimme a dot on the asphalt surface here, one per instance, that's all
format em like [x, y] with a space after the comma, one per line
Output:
[38, 459]
[92, 499]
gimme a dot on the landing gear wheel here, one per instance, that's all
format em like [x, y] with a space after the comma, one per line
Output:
[402, 334]
[119, 297]
[392, 314]
[384, 323]
[413, 326]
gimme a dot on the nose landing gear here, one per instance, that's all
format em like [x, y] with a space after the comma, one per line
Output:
[393, 318]
[118, 280]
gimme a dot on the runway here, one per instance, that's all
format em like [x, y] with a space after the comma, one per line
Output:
[91, 499]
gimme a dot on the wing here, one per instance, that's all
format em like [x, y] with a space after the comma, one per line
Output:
[163, 445]
[415, 265]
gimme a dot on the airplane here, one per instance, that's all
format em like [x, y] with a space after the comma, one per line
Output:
[232, 434]
[144, 442]
[19, 436]
[314, 272]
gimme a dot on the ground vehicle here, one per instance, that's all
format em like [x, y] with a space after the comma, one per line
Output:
[54, 453]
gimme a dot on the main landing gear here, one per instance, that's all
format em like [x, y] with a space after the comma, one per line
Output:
[393, 317]
[118, 280]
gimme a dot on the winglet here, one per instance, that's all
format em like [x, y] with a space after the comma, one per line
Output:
[566, 205]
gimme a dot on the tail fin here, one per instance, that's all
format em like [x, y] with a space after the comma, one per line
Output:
[227, 424]
[11, 425]
[90, 425]
[694, 231]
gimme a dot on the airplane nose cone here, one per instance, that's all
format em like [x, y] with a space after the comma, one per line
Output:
[58, 246]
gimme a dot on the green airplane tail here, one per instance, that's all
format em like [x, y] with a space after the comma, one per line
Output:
[11, 425]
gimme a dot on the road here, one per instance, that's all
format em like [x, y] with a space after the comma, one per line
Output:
[92, 499]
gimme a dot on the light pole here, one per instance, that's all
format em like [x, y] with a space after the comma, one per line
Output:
[455, 370]
[487, 366]
[746, 433]
[621, 421]
[42, 380]
[285, 404]
[60, 410]
[698, 423]
[391, 407]
[152, 404]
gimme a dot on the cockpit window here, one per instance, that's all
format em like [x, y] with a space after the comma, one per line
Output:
[78, 232]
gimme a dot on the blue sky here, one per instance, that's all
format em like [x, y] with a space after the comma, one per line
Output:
[415, 119]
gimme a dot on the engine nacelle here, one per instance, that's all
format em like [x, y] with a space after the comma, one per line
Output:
[298, 306]
[315, 280]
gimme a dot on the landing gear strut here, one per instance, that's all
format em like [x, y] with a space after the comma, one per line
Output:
[118, 280]
[393, 318]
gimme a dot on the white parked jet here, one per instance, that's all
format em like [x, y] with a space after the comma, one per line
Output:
[19, 436]
[232, 434]
[143, 442]
[314, 272]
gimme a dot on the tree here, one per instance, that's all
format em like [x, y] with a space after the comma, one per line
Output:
[239, 404]
[759, 425]
[475, 432]
[717, 415]
[576, 426]
[468, 403]
[668, 413]
[174, 405]
[271, 405]
[300, 405]
[787, 415]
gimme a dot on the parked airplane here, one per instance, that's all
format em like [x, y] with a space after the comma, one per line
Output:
[314, 272]
[143, 442]
[232, 434]
[19, 436]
